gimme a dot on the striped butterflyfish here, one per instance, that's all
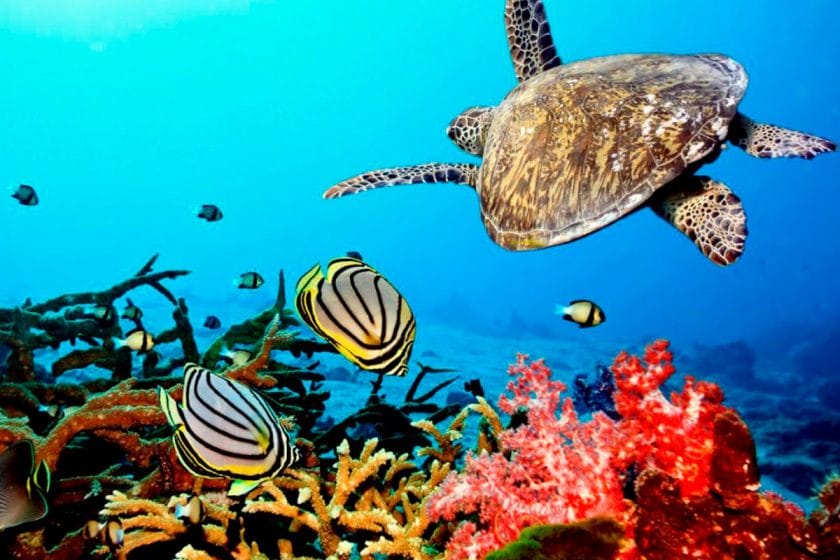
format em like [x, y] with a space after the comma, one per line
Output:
[360, 313]
[23, 486]
[226, 429]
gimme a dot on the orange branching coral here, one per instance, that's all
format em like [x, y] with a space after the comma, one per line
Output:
[249, 373]
[357, 500]
[145, 522]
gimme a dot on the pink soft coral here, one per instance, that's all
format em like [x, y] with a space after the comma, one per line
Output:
[557, 469]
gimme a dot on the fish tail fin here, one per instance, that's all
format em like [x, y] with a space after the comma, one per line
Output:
[561, 310]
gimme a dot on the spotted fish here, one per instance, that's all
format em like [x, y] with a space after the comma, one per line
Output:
[226, 429]
[360, 313]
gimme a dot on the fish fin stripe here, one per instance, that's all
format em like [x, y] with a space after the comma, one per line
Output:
[190, 459]
[267, 425]
[590, 317]
[200, 439]
[311, 276]
[254, 415]
[170, 408]
[352, 274]
[343, 329]
[198, 466]
[384, 334]
[342, 298]
[199, 382]
[379, 357]
[210, 417]
[386, 362]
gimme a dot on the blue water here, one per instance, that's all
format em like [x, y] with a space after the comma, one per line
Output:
[127, 117]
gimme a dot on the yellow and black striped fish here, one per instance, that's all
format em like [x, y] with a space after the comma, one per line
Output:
[226, 429]
[583, 312]
[360, 313]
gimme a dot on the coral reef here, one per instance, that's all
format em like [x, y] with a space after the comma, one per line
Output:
[696, 494]
[637, 475]
[108, 446]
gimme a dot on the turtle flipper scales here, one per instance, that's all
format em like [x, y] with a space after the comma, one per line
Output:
[529, 37]
[771, 141]
[708, 213]
[462, 173]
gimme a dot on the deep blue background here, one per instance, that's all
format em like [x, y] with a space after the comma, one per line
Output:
[126, 118]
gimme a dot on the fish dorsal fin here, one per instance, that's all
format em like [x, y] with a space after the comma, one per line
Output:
[170, 408]
[42, 477]
[309, 280]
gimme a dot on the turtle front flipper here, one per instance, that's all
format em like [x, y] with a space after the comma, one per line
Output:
[529, 37]
[708, 213]
[771, 141]
[462, 173]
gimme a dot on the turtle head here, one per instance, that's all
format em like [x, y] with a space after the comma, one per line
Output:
[469, 129]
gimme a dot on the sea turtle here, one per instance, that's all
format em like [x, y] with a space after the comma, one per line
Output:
[575, 147]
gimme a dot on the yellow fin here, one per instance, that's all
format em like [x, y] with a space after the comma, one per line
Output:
[310, 279]
[242, 487]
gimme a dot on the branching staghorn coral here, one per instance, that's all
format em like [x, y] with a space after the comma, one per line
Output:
[448, 451]
[113, 434]
[358, 501]
[146, 522]
[32, 327]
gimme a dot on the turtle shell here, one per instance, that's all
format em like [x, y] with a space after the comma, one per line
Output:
[577, 147]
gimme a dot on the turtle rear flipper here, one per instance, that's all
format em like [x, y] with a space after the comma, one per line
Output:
[771, 141]
[462, 173]
[708, 213]
[529, 38]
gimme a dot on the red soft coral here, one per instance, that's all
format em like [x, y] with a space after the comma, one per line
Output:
[557, 469]
[673, 436]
